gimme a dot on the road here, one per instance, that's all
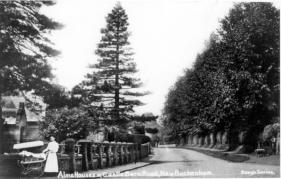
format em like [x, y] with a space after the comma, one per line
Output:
[167, 161]
[184, 163]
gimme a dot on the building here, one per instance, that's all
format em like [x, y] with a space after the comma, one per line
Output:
[21, 119]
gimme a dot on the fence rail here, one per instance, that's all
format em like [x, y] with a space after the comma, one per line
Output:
[86, 155]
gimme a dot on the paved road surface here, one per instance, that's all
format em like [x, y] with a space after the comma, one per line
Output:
[177, 161]
[171, 160]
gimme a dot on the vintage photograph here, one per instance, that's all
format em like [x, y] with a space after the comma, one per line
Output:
[139, 89]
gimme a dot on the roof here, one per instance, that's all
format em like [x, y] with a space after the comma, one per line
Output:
[11, 102]
[10, 106]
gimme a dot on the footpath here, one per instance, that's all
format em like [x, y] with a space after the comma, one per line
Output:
[98, 173]
[234, 157]
[117, 171]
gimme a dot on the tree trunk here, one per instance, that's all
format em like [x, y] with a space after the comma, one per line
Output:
[1, 126]
[116, 108]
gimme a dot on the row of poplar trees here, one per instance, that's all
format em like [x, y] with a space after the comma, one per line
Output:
[234, 83]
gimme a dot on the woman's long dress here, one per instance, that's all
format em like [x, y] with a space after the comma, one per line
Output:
[52, 159]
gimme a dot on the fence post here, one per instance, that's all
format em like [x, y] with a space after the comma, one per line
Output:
[101, 155]
[125, 157]
[127, 152]
[118, 146]
[108, 153]
[95, 156]
[91, 156]
[69, 149]
[121, 153]
[114, 153]
[137, 151]
[132, 152]
[85, 160]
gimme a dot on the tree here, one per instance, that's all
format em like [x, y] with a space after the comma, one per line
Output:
[234, 83]
[56, 96]
[110, 85]
[152, 130]
[66, 123]
[24, 47]
[252, 31]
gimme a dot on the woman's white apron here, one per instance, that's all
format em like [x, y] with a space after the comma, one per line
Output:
[52, 159]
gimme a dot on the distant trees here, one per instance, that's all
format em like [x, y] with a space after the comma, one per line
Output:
[139, 121]
[24, 47]
[234, 83]
[56, 96]
[109, 86]
[152, 130]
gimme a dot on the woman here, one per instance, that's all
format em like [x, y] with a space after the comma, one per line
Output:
[51, 166]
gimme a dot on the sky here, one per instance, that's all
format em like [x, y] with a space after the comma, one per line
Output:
[166, 36]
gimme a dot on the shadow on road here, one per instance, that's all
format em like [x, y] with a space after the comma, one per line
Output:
[157, 162]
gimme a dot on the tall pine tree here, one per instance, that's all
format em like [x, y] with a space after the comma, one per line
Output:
[112, 82]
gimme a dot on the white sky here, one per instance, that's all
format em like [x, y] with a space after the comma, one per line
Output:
[166, 36]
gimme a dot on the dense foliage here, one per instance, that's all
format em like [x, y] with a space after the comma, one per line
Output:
[152, 130]
[234, 83]
[56, 96]
[133, 138]
[66, 123]
[25, 49]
